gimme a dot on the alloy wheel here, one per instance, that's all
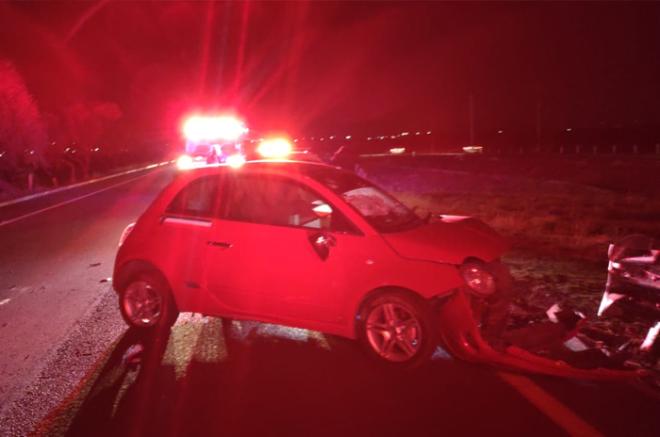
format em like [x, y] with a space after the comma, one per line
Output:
[394, 332]
[142, 304]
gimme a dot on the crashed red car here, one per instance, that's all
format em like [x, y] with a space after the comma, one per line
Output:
[305, 245]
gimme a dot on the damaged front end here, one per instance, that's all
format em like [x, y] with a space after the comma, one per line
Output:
[461, 336]
[632, 291]
[473, 328]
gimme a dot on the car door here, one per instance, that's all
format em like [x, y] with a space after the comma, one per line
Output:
[280, 251]
[182, 233]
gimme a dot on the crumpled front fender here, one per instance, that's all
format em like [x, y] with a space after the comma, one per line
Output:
[461, 337]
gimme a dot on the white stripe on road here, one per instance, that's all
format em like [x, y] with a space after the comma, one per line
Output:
[66, 202]
[551, 407]
[80, 184]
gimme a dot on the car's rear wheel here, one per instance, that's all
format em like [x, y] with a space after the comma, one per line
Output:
[147, 303]
[396, 328]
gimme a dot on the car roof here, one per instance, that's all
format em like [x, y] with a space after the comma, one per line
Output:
[285, 166]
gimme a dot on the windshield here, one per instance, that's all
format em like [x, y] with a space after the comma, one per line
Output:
[380, 209]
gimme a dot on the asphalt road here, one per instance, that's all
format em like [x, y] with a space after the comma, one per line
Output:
[69, 366]
[51, 265]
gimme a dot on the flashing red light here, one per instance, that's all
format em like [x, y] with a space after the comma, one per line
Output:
[235, 161]
[184, 162]
[275, 148]
[200, 128]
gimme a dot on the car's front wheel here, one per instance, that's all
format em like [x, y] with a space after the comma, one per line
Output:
[147, 303]
[396, 328]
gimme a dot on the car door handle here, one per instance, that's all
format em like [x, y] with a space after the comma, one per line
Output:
[321, 243]
[220, 244]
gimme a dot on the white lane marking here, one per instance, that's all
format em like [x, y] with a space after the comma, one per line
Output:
[66, 202]
[551, 407]
[80, 184]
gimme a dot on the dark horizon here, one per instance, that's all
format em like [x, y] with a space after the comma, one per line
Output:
[338, 68]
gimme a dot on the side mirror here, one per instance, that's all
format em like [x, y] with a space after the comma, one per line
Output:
[322, 210]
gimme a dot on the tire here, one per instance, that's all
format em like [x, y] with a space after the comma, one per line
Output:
[146, 303]
[395, 328]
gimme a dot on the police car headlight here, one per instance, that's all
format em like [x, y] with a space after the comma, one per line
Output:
[478, 278]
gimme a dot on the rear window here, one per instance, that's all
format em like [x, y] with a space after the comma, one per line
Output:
[197, 199]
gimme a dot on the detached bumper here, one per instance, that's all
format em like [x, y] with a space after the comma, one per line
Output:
[462, 339]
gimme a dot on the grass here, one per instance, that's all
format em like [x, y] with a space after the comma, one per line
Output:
[581, 223]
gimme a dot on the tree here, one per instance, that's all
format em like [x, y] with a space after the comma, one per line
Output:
[85, 122]
[21, 125]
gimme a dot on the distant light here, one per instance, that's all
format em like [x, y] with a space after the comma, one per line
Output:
[397, 150]
[393, 136]
[500, 131]
[2, 154]
[235, 161]
[184, 162]
[569, 129]
[418, 133]
[368, 138]
[275, 148]
[473, 149]
[403, 134]
[295, 140]
[348, 137]
[322, 138]
[332, 137]
[428, 132]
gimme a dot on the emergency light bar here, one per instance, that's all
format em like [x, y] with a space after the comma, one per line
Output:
[204, 128]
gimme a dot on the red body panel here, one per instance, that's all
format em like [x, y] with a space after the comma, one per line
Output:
[449, 241]
[272, 274]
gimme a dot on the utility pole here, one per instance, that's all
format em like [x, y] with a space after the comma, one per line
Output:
[471, 104]
[538, 126]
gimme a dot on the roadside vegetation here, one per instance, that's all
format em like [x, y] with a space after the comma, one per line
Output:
[543, 204]
[581, 223]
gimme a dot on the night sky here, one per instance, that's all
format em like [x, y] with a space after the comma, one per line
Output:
[344, 67]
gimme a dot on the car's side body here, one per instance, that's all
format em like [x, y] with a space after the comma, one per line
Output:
[220, 266]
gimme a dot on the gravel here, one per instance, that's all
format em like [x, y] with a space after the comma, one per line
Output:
[66, 370]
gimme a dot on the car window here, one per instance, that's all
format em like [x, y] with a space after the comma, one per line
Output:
[380, 209]
[196, 199]
[279, 201]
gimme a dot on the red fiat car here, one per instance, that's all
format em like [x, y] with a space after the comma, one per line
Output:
[301, 244]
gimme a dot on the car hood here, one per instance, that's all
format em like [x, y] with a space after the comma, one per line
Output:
[449, 239]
